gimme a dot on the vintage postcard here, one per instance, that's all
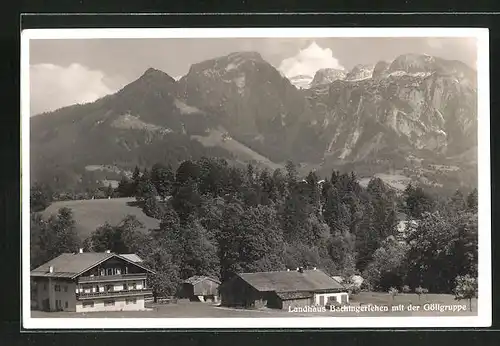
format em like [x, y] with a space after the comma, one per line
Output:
[256, 178]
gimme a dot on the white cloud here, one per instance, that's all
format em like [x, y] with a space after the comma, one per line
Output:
[53, 86]
[308, 61]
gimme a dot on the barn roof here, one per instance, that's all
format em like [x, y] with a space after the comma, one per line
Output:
[291, 281]
[193, 280]
[71, 265]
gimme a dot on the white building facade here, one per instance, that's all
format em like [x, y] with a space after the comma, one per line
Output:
[88, 282]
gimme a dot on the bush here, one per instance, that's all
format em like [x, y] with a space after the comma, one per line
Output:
[420, 290]
[393, 292]
[354, 289]
[406, 289]
[466, 288]
[366, 286]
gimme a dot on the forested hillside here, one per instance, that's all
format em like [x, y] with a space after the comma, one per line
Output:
[218, 219]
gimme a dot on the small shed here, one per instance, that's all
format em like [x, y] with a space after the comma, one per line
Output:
[201, 288]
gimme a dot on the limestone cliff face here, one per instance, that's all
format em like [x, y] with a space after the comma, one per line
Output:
[414, 105]
[360, 72]
[327, 76]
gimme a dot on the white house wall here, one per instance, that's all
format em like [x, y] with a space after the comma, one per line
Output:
[337, 296]
[120, 305]
[46, 290]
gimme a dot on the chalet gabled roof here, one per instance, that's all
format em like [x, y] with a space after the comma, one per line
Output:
[193, 280]
[72, 265]
[291, 281]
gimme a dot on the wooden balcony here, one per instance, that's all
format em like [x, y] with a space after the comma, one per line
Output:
[114, 294]
[109, 278]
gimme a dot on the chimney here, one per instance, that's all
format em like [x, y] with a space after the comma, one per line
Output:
[51, 269]
[108, 251]
[80, 250]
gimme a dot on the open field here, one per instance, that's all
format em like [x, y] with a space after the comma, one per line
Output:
[92, 213]
[397, 181]
[188, 309]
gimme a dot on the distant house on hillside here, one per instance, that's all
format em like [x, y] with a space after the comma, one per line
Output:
[282, 289]
[90, 281]
[202, 288]
[356, 280]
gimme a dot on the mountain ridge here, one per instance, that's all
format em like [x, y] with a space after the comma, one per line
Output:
[415, 105]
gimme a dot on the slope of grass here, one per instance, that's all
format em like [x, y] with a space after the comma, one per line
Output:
[90, 214]
[242, 152]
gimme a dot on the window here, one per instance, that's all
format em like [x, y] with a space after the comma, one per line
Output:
[65, 305]
[109, 288]
[130, 301]
[109, 271]
[134, 286]
[88, 304]
[65, 288]
[125, 287]
[109, 303]
[57, 288]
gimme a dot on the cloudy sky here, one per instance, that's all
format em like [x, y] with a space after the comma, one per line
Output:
[64, 72]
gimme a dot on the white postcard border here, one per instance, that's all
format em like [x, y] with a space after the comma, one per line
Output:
[483, 319]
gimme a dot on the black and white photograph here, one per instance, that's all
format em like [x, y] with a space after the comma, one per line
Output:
[255, 178]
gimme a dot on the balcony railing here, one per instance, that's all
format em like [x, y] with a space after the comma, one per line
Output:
[102, 278]
[113, 294]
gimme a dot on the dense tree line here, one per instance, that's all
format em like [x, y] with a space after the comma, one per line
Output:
[51, 237]
[218, 219]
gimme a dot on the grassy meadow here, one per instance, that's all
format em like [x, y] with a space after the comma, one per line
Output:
[92, 213]
[188, 309]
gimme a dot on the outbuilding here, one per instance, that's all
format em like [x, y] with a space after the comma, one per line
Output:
[282, 289]
[201, 288]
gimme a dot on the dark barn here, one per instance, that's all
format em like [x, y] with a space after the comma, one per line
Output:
[283, 289]
[201, 288]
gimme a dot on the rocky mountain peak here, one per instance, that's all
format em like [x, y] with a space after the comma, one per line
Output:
[380, 69]
[360, 72]
[220, 66]
[327, 76]
[157, 74]
[414, 63]
[247, 55]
